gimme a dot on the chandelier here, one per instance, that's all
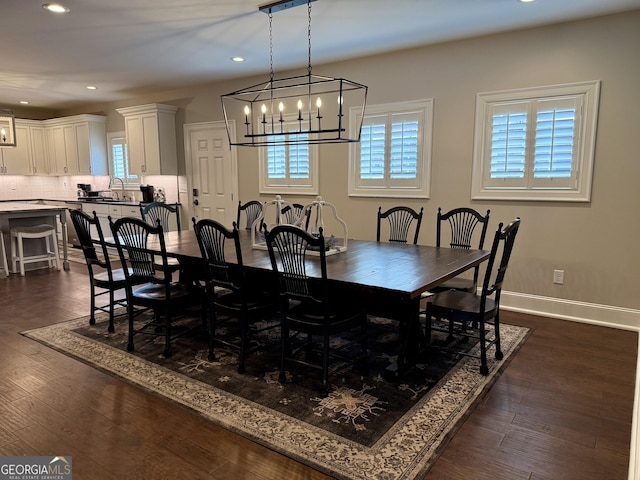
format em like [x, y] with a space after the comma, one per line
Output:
[7, 128]
[306, 109]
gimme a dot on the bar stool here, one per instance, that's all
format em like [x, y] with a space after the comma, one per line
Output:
[4, 268]
[19, 234]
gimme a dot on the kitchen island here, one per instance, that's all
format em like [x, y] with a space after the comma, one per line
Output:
[14, 214]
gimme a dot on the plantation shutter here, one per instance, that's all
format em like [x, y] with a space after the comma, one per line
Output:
[555, 152]
[372, 148]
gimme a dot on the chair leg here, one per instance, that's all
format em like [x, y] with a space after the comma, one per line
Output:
[496, 332]
[130, 347]
[111, 327]
[92, 316]
[21, 255]
[54, 250]
[484, 370]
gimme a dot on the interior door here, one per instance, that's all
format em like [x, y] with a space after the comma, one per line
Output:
[212, 169]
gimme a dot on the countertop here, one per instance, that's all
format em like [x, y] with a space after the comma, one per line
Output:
[84, 201]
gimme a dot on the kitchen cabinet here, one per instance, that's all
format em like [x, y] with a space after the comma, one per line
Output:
[30, 156]
[77, 145]
[17, 160]
[39, 152]
[151, 139]
[113, 210]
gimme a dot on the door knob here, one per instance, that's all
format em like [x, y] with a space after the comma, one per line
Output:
[195, 201]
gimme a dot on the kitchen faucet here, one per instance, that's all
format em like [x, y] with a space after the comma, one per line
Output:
[124, 194]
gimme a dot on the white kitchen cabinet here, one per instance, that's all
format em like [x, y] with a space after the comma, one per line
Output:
[151, 139]
[77, 145]
[17, 160]
[113, 210]
[102, 211]
[39, 152]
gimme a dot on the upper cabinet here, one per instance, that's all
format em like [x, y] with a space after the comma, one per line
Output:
[151, 139]
[30, 155]
[77, 145]
[74, 145]
[17, 160]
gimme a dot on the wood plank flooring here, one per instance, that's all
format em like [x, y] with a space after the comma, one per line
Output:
[562, 409]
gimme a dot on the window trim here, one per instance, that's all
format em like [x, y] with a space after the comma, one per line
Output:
[422, 186]
[286, 185]
[585, 134]
[128, 180]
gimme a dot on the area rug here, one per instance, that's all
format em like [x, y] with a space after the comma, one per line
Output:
[368, 427]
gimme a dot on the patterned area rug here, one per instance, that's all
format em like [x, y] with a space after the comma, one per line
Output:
[366, 428]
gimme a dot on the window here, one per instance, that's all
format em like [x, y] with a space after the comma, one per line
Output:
[536, 144]
[393, 156]
[289, 168]
[119, 158]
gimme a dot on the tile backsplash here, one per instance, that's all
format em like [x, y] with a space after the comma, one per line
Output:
[22, 187]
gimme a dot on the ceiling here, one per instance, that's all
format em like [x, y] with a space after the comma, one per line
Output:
[129, 47]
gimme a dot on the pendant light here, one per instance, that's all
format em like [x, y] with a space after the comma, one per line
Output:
[306, 109]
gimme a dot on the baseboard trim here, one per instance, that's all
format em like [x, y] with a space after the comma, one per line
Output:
[593, 313]
[603, 315]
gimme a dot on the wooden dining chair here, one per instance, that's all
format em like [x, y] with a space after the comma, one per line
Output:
[104, 279]
[307, 305]
[230, 292]
[400, 220]
[461, 308]
[292, 213]
[462, 225]
[161, 212]
[158, 211]
[166, 299]
[252, 210]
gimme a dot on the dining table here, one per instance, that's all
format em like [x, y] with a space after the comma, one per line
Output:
[389, 279]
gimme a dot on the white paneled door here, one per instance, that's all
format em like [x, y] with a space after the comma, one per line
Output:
[212, 170]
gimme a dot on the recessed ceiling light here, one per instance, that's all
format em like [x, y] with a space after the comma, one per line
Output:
[91, 87]
[24, 102]
[237, 59]
[526, 1]
[55, 8]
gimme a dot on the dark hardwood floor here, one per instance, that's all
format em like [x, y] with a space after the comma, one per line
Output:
[561, 410]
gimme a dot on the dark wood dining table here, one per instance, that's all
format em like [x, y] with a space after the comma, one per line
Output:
[388, 278]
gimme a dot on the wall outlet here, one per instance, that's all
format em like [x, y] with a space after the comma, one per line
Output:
[558, 277]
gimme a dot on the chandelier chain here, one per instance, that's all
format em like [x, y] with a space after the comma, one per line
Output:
[309, 36]
[271, 47]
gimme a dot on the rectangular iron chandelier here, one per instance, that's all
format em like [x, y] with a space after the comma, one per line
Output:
[305, 109]
[7, 128]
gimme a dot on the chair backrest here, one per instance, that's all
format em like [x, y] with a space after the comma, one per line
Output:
[400, 221]
[493, 278]
[292, 212]
[155, 211]
[252, 209]
[212, 237]
[131, 236]
[83, 222]
[462, 223]
[289, 248]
